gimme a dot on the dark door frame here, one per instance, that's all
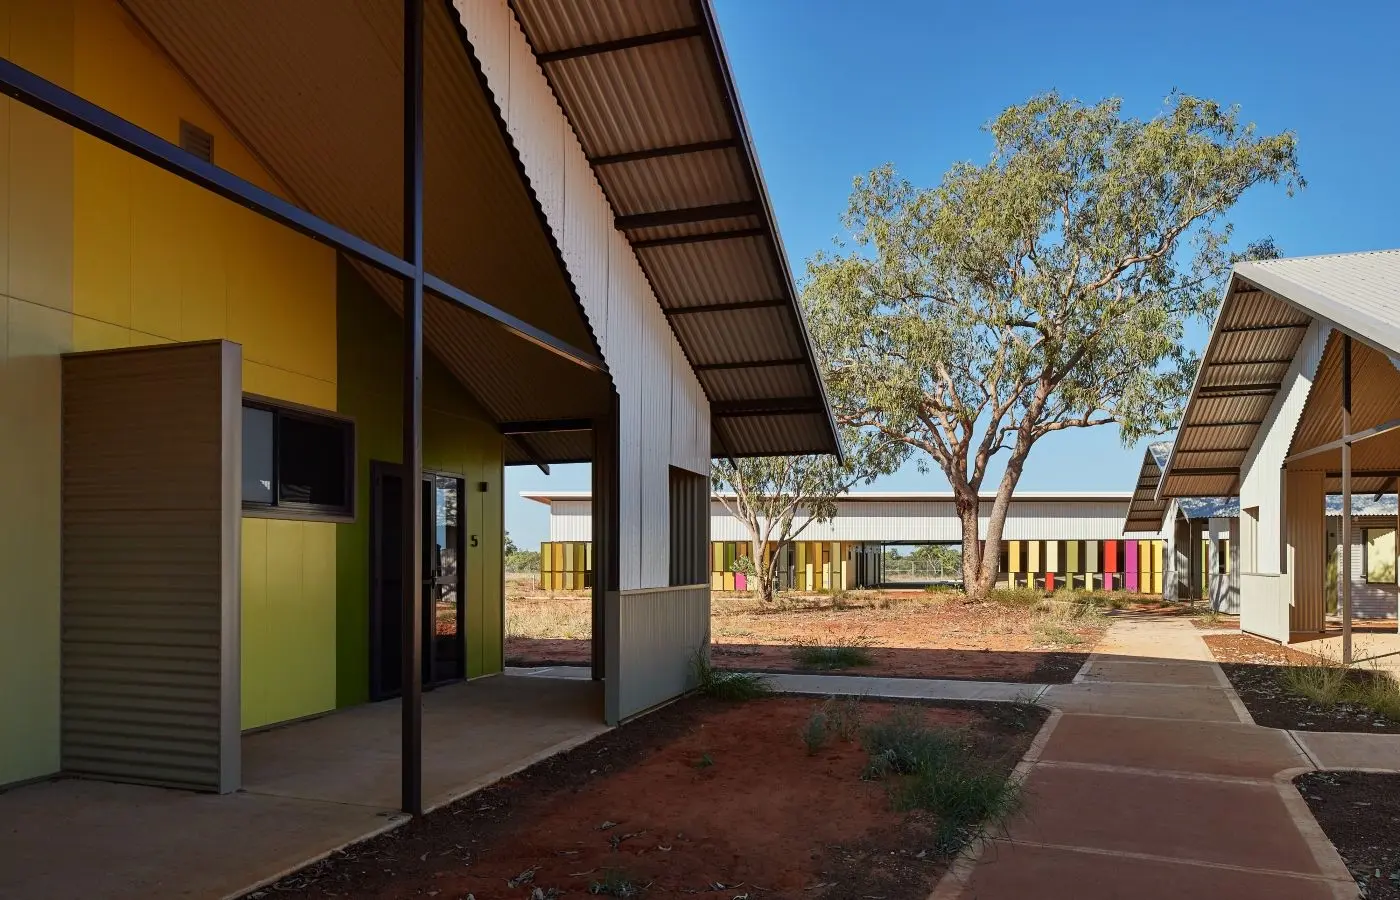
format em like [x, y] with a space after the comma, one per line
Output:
[378, 470]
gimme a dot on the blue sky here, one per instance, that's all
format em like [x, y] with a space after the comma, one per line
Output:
[832, 89]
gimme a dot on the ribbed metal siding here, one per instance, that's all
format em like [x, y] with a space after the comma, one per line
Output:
[664, 414]
[892, 521]
[151, 462]
[1359, 291]
[1307, 540]
[1368, 601]
[1261, 475]
[661, 631]
[571, 520]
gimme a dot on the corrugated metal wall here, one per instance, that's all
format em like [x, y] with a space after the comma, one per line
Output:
[571, 520]
[1304, 503]
[661, 631]
[897, 521]
[664, 417]
[1261, 486]
[664, 413]
[151, 468]
[1368, 600]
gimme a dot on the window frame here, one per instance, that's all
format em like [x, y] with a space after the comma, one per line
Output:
[290, 509]
[1365, 535]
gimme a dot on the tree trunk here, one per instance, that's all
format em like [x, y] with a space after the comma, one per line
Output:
[974, 586]
[765, 571]
[996, 520]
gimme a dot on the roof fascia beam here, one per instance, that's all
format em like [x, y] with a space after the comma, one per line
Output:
[723, 307]
[754, 364]
[543, 425]
[627, 43]
[613, 159]
[779, 406]
[706, 237]
[687, 216]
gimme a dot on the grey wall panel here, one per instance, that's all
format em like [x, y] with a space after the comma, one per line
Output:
[661, 631]
[151, 474]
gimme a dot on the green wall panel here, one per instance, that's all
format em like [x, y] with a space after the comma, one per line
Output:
[457, 439]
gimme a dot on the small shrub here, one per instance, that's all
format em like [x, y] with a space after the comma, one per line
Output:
[614, 883]
[1380, 692]
[814, 733]
[704, 762]
[722, 684]
[842, 653]
[844, 716]
[1018, 596]
[1323, 681]
[1058, 635]
[943, 775]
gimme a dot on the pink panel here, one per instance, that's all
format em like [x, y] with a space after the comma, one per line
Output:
[1130, 564]
[741, 581]
[1108, 581]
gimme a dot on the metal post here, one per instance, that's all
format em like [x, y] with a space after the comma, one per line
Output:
[1346, 500]
[411, 557]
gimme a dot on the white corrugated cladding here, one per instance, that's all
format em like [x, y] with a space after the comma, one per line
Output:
[911, 520]
[1260, 482]
[1369, 601]
[571, 520]
[665, 418]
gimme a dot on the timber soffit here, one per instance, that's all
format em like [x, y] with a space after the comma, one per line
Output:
[648, 92]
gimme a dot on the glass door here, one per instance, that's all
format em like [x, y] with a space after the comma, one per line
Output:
[442, 574]
[442, 582]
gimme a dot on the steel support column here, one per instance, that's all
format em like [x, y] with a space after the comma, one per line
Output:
[1346, 500]
[411, 555]
[606, 532]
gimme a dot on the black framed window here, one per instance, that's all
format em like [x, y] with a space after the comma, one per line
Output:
[297, 462]
[690, 527]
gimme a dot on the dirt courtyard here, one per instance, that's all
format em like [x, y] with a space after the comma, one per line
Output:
[901, 633]
[665, 807]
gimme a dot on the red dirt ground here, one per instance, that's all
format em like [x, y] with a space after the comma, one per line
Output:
[909, 634]
[699, 798]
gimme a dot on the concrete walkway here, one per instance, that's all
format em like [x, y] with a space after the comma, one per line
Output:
[1151, 781]
[860, 686]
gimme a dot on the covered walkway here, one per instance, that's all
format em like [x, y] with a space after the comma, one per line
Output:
[309, 789]
[1151, 781]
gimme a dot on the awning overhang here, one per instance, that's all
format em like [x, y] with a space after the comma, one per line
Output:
[648, 90]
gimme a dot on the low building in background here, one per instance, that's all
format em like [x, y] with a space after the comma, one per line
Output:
[1050, 540]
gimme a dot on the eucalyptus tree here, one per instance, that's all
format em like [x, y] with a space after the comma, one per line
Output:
[1047, 289]
[778, 497]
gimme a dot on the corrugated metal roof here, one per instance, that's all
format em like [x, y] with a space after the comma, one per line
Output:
[1146, 511]
[648, 91]
[1360, 292]
[317, 98]
[1251, 348]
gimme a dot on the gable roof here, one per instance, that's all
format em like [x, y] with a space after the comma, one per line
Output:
[1267, 309]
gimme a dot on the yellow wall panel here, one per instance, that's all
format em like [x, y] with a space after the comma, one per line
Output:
[40, 208]
[1033, 556]
[102, 229]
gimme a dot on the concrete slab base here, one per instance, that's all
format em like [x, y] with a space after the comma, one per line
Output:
[1331, 750]
[309, 789]
[906, 688]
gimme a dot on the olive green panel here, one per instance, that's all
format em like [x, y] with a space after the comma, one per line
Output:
[457, 439]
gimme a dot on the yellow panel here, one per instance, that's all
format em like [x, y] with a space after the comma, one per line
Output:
[41, 208]
[728, 581]
[284, 385]
[716, 581]
[102, 232]
[1072, 552]
[157, 246]
[1013, 554]
[92, 335]
[1033, 554]
[1091, 559]
[1052, 556]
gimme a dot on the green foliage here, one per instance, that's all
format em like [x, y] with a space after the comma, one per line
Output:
[1046, 289]
[938, 770]
[522, 561]
[778, 497]
[510, 545]
[842, 653]
[1327, 682]
[723, 684]
[742, 565]
[704, 762]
